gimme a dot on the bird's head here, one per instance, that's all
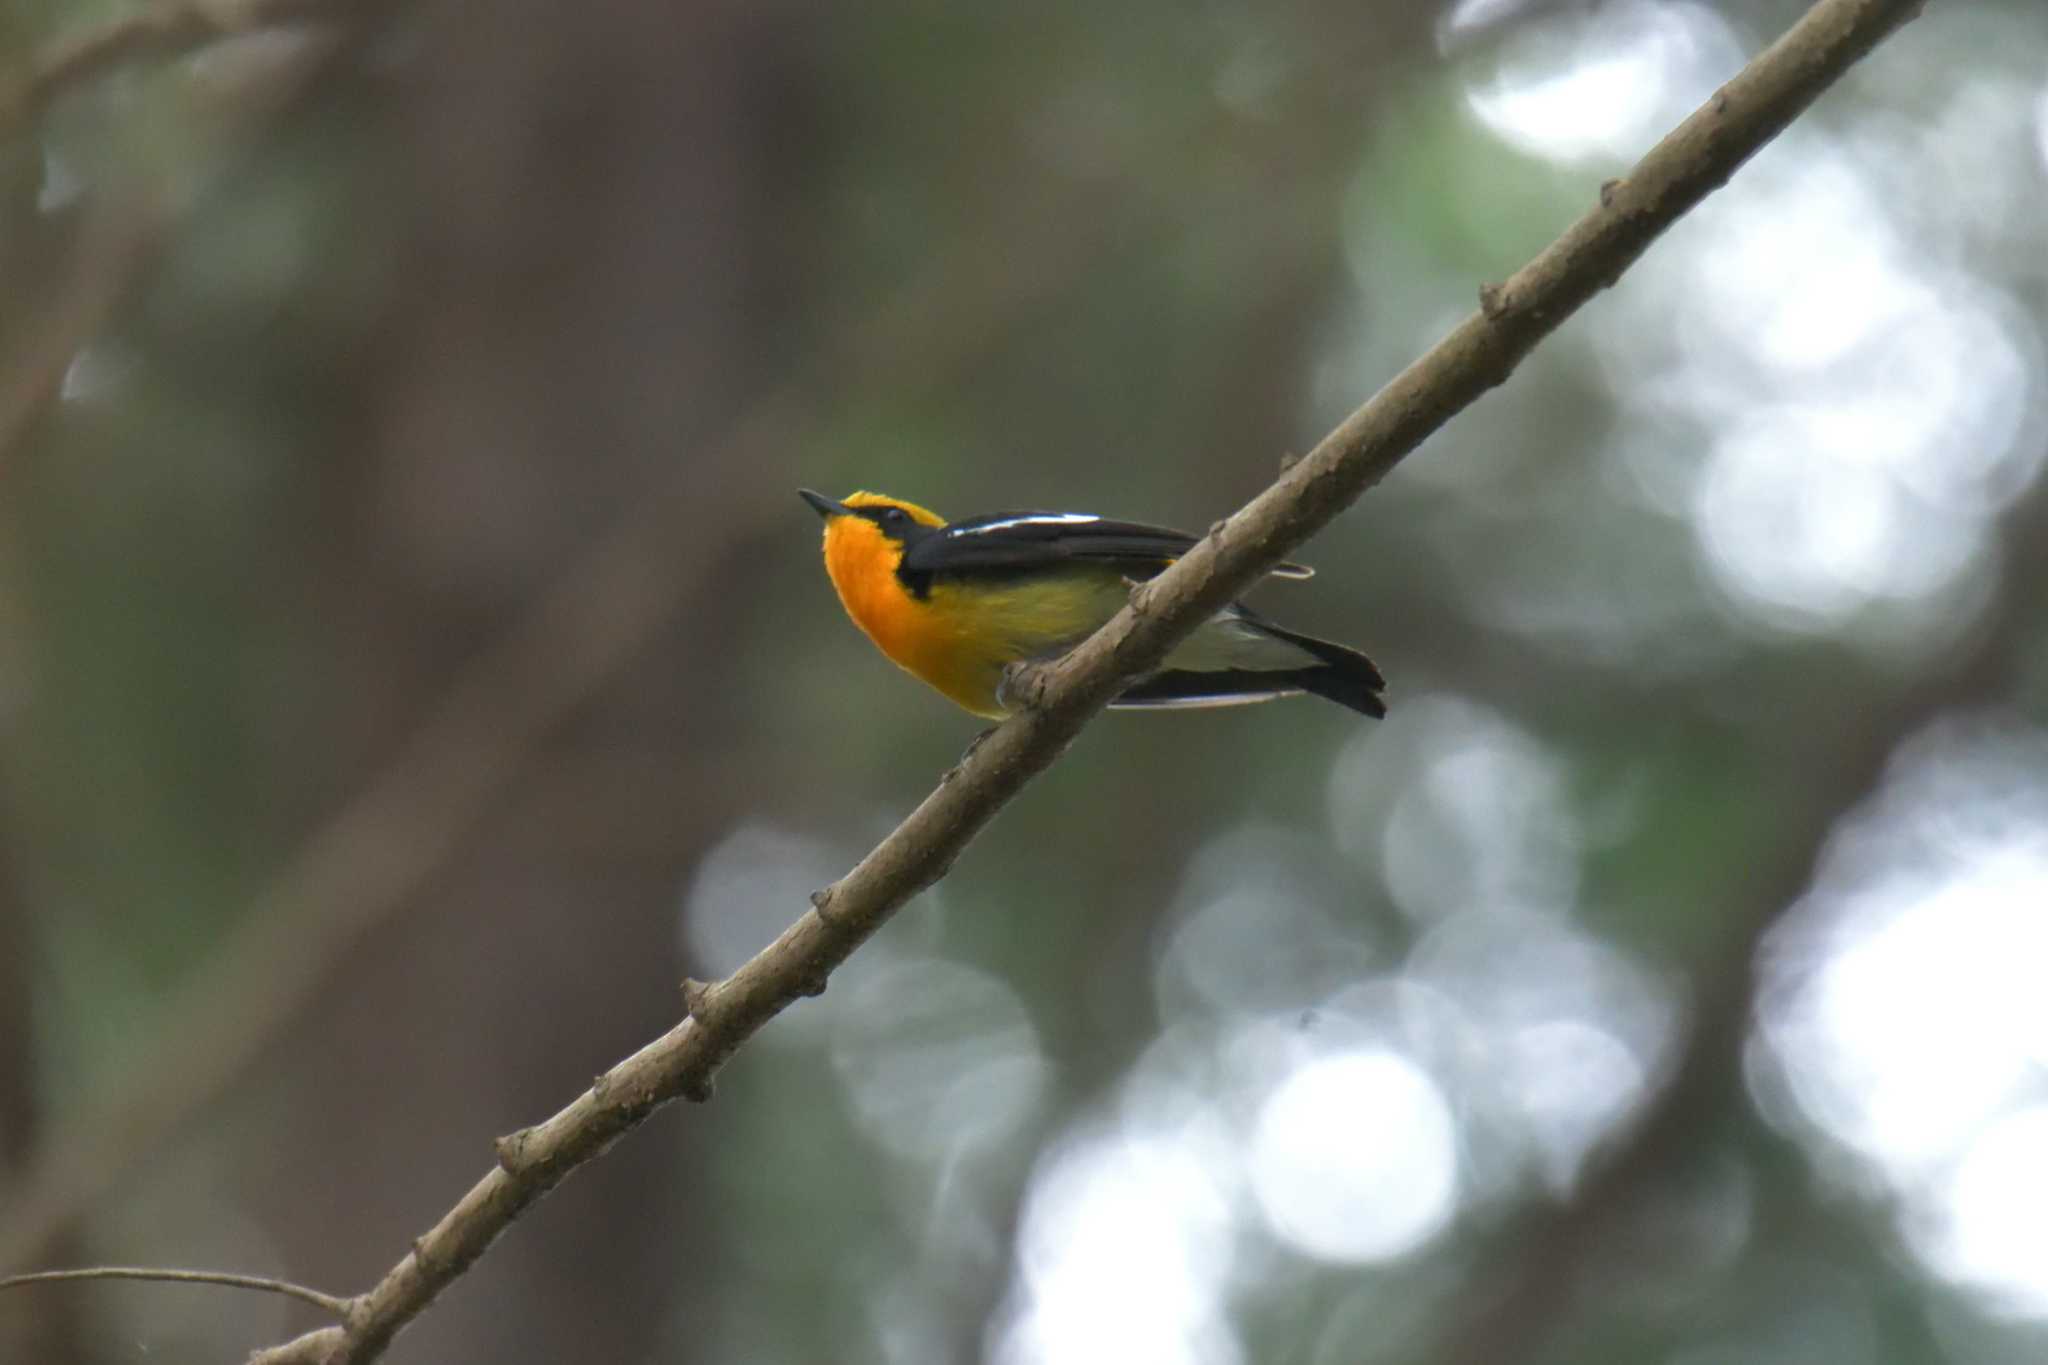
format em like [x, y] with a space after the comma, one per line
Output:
[867, 533]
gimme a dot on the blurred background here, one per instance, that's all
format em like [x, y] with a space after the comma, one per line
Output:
[415, 660]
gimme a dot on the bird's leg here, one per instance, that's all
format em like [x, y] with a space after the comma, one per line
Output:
[1022, 686]
[1134, 592]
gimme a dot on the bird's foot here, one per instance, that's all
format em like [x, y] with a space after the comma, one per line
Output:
[1023, 685]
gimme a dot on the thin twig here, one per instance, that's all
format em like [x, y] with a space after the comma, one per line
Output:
[1481, 353]
[332, 1303]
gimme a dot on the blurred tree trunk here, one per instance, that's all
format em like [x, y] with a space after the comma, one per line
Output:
[33, 1326]
[583, 198]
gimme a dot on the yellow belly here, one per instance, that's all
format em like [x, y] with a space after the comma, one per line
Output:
[959, 639]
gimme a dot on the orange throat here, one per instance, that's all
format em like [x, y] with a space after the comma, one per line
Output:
[917, 636]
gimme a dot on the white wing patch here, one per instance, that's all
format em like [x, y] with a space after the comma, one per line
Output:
[1284, 569]
[1029, 519]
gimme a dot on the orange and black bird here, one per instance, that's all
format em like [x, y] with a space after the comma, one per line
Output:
[955, 603]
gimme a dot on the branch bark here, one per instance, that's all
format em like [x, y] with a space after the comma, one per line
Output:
[1480, 353]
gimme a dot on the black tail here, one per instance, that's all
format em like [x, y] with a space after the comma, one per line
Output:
[1343, 675]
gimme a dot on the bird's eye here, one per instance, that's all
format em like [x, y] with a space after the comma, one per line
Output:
[895, 516]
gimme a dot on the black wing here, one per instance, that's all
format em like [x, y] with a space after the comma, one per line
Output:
[1024, 542]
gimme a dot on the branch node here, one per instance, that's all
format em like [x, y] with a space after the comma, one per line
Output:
[511, 1152]
[1493, 301]
[1216, 527]
[1608, 189]
[822, 897]
[1288, 460]
[697, 994]
[419, 1251]
[599, 1084]
[695, 1089]
[814, 986]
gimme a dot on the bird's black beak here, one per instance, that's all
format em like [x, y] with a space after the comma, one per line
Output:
[823, 505]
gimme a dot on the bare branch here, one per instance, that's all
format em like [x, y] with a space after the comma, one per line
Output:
[332, 1303]
[1681, 170]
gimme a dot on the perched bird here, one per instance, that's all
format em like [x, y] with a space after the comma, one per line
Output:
[956, 602]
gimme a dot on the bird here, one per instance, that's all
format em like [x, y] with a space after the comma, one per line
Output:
[955, 603]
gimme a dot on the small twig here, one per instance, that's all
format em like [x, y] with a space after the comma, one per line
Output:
[332, 1303]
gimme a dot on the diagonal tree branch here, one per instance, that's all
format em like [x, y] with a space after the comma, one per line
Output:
[1482, 352]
